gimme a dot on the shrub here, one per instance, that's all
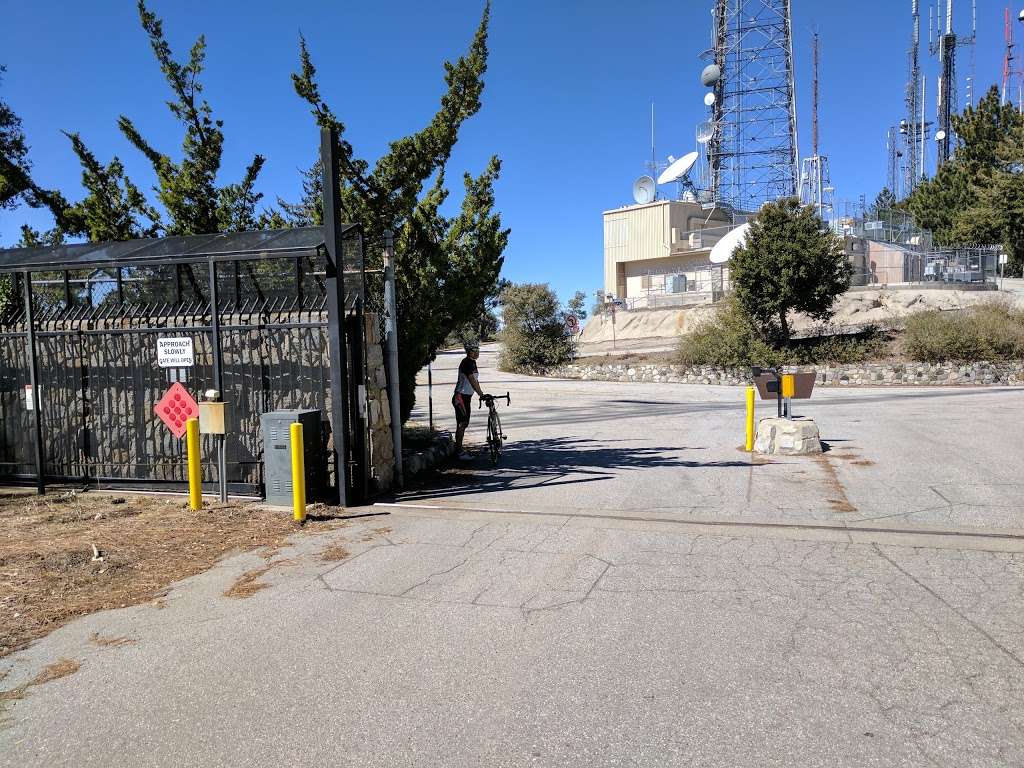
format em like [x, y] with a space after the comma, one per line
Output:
[992, 331]
[728, 341]
[534, 335]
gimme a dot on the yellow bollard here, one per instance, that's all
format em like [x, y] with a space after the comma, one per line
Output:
[195, 475]
[750, 419]
[298, 474]
[788, 385]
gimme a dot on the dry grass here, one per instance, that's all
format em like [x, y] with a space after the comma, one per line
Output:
[51, 672]
[109, 642]
[334, 554]
[50, 572]
[248, 584]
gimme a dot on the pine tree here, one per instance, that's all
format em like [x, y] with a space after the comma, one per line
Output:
[884, 202]
[972, 198]
[113, 208]
[446, 268]
[188, 189]
[791, 262]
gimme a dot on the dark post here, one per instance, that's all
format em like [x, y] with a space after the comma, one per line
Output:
[218, 378]
[33, 380]
[120, 285]
[336, 311]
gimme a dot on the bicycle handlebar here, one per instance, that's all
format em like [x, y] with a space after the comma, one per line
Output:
[489, 399]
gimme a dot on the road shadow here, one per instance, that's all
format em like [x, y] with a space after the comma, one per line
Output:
[552, 462]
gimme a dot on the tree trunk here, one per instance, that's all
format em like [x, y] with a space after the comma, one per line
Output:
[783, 326]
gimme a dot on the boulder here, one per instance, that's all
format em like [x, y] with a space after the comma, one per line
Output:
[787, 437]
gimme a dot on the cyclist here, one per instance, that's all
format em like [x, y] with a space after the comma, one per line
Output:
[467, 383]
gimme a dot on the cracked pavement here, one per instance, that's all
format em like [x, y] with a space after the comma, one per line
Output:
[626, 591]
[475, 638]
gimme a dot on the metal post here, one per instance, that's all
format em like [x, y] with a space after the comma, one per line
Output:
[391, 350]
[33, 379]
[218, 379]
[336, 310]
[751, 432]
[195, 471]
[298, 473]
[430, 396]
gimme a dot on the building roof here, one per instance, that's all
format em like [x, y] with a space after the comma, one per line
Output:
[181, 249]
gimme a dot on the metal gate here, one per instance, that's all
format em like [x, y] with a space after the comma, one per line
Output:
[258, 309]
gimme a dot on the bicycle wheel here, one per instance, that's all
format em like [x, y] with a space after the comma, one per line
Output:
[494, 437]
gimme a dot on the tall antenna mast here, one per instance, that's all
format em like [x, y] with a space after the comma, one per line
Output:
[814, 126]
[1009, 70]
[909, 127]
[944, 47]
[815, 184]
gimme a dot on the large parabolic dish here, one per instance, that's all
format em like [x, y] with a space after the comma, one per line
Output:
[678, 169]
[723, 249]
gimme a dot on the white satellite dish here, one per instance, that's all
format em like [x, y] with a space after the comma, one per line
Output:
[705, 132]
[644, 190]
[940, 135]
[723, 249]
[709, 99]
[678, 169]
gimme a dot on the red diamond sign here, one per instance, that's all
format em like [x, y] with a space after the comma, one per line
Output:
[175, 408]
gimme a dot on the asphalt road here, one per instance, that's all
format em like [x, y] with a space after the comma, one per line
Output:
[909, 456]
[611, 597]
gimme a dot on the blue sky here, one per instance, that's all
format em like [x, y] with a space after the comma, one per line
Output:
[566, 107]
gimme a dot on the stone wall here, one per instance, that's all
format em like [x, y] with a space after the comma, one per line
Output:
[382, 449]
[864, 374]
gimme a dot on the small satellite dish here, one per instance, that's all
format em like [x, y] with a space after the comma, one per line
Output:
[1020, 16]
[678, 169]
[709, 100]
[711, 75]
[705, 132]
[940, 135]
[644, 190]
[724, 248]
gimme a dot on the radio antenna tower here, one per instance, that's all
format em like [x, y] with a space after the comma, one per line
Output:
[1010, 70]
[944, 45]
[912, 127]
[894, 169]
[815, 184]
[753, 155]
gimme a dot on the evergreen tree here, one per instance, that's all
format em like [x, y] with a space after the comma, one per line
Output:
[446, 268]
[791, 262]
[884, 202]
[577, 306]
[534, 335]
[972, 197]
[113, 207]
[188, 189]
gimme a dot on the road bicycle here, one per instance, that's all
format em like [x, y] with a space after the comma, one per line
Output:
[494, 434]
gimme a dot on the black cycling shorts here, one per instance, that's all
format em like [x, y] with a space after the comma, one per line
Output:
[463, 407]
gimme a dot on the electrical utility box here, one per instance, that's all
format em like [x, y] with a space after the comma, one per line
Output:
[277, 456]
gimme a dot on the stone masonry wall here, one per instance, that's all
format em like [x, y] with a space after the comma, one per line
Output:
[864, 374]
[382, 450]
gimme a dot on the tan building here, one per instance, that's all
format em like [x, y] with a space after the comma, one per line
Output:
[656, 253]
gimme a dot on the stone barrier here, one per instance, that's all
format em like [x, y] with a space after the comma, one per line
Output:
[440, 450]
[858, 375]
